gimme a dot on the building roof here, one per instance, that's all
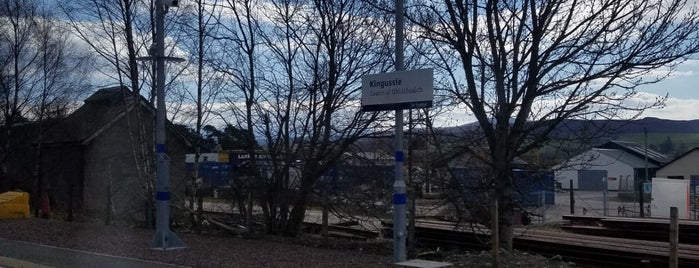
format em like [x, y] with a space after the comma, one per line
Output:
[638, 150]
[683, 155]
[625, 157]
[103, 106]
[100, 111]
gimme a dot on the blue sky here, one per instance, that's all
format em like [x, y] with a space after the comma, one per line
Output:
[681, 84]
[682, 90]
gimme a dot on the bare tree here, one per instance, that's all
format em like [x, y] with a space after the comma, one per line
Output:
[196, 26]
[18, 59]
[296, 67]
[237, 57]
[523, 67]
[282, 96]
[46, 75]
[341, 42]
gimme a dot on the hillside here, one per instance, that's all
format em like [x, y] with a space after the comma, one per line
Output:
[672, 137]
[654, 125]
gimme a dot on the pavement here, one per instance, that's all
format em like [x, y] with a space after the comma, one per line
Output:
[18, 254]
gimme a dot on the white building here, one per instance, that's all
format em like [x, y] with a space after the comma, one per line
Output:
[684, 167]
[620, 162]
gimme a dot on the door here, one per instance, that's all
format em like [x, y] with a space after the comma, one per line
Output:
[592, 180]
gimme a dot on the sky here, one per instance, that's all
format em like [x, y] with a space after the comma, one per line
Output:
[680, 87]
[682, 90]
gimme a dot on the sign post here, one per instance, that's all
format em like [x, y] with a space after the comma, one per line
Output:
[399, 195]
[397, 91]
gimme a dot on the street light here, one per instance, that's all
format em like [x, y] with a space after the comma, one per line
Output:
[164, 238]
[171, 3]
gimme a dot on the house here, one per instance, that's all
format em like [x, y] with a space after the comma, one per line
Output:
[683, 167]
[615, 165]
[89, 160]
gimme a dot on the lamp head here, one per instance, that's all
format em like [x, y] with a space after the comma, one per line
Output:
[171, 3]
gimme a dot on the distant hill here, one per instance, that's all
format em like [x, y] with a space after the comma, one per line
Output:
[654, 125]
[618, 127]
[672, 137]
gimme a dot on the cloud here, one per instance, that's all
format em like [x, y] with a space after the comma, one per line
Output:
[675, 108]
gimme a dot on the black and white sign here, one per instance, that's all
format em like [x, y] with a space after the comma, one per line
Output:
[398, 90]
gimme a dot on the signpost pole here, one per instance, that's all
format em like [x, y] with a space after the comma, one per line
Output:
[399, 187]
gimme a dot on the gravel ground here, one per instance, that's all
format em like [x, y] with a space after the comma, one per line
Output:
[217, 250]
[201, 251]
[515, 259]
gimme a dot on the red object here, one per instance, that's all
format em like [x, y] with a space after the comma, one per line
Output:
[45, 206]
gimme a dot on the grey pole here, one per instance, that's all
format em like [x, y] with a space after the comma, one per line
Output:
[646, 177]
[542, 207]
[572, 199]
[605, 197]
[399, 195]
[164, 239]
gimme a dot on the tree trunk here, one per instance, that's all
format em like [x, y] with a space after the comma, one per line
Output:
[293, 227]
[502, 174]
[505, 207]
[298, 213]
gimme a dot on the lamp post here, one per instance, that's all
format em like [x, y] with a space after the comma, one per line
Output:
[164, 238]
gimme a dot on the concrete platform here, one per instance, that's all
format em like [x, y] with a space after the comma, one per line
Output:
[417, 263]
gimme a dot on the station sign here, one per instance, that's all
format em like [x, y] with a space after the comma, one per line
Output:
[412, 89]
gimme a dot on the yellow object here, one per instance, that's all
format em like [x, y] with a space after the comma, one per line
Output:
[223, 156]
[14, 205]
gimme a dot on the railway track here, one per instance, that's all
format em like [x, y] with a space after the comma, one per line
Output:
[584, 249]
[654, 229]
[587, 249]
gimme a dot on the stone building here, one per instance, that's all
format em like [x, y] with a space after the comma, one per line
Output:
[90, 161]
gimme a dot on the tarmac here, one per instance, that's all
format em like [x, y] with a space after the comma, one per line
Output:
[19, 254]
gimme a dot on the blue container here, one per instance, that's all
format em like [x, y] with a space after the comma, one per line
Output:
[528, 185]
[213, 174]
